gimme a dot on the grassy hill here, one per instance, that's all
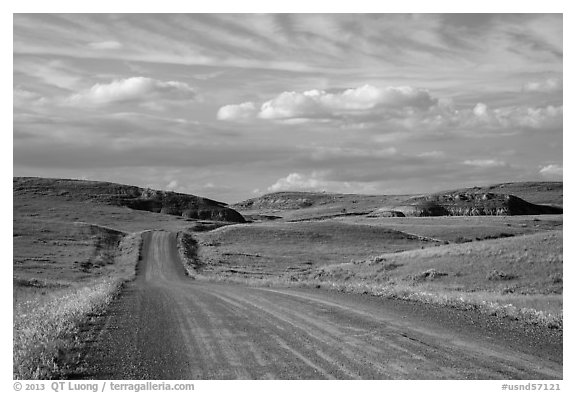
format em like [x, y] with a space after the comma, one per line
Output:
[137, 198]
[519, 277]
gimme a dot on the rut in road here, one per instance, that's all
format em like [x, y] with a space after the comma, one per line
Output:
[168, 326]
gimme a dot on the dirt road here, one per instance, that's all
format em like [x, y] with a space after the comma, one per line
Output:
[168, 326]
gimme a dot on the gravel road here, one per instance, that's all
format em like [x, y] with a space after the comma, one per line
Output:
[167, 326]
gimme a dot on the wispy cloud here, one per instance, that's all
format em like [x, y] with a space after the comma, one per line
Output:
[105, 45]
[486, 163]
[342, 102]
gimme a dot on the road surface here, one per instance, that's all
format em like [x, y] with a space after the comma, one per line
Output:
[168, 326]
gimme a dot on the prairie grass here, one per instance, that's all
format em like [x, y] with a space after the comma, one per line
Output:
[278, 247]
[47, 322]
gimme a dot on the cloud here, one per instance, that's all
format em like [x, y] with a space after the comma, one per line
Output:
[487, 163]
[26, 98]
[299, 182]
[432, 154]
[319, 104]
[244, 111]
[512, 117]
[106, 45]
[135, 89]
[548, 85]
[172, 185]
[480, 110]
[552, 171]
[391, 108]
[319, 181]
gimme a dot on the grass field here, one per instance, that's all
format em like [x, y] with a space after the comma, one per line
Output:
[267, 249]
[454, 229]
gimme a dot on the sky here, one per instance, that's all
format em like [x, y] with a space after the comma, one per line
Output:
[231, 107]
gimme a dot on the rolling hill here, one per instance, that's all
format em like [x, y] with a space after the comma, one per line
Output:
[137, 198]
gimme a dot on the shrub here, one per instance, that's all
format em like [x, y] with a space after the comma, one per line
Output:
[496, 275]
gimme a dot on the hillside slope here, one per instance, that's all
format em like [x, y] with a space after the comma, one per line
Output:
[189, 206]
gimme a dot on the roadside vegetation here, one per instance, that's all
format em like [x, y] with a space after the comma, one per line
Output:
[48, 318]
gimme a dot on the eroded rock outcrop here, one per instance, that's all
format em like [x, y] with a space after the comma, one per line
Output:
[472, 204]
[385, 212]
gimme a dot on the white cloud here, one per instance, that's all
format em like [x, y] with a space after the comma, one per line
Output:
[511, 117]
[317, 181]
[172, 186]
[246, 110]
[552, 171]
[548, 85]
[480, 109]
[105, 45]
[487, 163]
[299, 182]
[392, 108]
[319, 104]
[432, 154]
[135, 89]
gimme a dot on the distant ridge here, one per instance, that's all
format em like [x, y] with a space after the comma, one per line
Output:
[137, 198]
[521, 198]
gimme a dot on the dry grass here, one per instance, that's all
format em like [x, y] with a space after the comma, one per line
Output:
[47, 320]
[454, 229]
[517, 277]
[266, 249]
[524, 265]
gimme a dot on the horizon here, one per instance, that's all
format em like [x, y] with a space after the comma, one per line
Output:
[231, 107]
[298, 191]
